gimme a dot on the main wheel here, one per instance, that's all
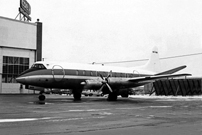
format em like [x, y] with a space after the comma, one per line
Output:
[77, 96]
[124, 95]
[112, 97]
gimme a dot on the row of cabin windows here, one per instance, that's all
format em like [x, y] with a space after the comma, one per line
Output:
[98, 73]
[104, 74]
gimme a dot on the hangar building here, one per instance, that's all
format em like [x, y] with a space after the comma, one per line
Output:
[20, 47]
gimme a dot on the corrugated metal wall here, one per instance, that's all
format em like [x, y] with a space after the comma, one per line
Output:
[182, 87]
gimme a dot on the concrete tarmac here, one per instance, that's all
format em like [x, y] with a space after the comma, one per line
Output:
[60, 115]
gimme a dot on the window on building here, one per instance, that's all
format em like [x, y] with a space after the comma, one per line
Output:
[12, 67]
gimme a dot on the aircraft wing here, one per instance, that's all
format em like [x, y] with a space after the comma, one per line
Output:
[172, 70]
[155, 77]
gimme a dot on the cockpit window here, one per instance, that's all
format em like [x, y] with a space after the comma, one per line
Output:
[38, 66]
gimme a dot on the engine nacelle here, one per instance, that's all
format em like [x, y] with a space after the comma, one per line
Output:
[92, 84]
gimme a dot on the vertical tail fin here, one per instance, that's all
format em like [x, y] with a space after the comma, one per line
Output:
[154, 63]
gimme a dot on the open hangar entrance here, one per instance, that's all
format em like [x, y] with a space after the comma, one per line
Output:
[176, 87]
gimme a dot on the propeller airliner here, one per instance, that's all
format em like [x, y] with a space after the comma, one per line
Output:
[106, 79]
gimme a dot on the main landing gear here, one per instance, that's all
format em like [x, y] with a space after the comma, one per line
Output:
[112, 96]
[77, 95]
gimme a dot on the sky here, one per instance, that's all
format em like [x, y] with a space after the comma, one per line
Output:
[86, 31]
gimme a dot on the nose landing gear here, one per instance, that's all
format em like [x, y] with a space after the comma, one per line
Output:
[42, 97]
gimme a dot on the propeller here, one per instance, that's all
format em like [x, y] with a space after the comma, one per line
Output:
[105, 82]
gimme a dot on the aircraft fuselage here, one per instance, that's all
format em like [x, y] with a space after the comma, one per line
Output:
[77, 79]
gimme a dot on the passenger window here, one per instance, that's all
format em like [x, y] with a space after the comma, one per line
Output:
[77, 72]
[114, 75]
[127, 75]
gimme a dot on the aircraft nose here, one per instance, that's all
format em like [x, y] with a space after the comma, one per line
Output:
[20, 79]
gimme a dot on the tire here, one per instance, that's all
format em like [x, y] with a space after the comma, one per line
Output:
[77, 96]
[124, 95]
[112, 97]
[42, 97]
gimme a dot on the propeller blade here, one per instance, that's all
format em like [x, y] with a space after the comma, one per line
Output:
[102, 77]
[101, 88]
[109, 75]
[110, 89]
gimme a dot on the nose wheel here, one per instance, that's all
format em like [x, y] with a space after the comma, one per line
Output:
[41, 97]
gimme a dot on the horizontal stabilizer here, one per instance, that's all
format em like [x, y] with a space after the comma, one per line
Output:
[156, 77]
[171, 71]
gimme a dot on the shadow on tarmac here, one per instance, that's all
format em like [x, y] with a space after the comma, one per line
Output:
[120, 100]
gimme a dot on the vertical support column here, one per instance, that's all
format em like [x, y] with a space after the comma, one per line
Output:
[163, 87]
[0, 83]
[38, 41]
[1, 66]
[171, 82]
[201, 85]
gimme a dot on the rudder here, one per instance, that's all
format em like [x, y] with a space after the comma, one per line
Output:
[154, 63]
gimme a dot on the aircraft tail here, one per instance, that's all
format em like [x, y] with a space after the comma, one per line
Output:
[153, 64]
